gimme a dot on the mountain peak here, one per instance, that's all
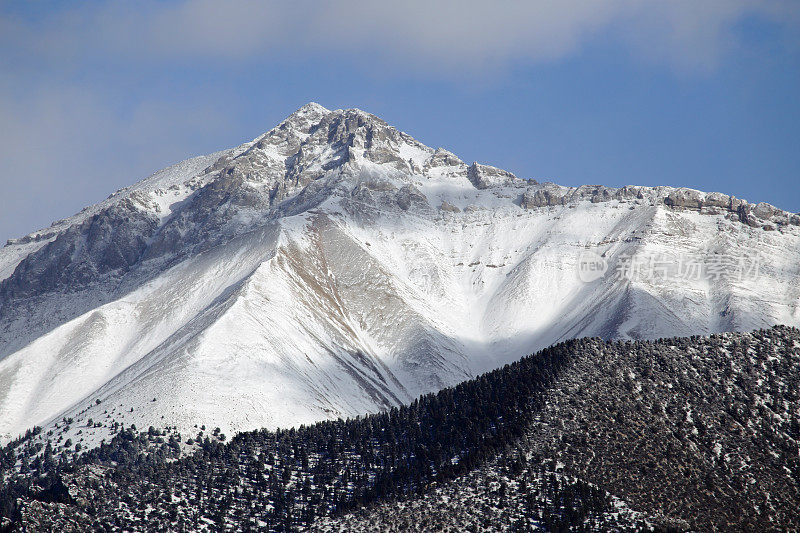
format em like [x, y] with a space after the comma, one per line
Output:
[304, 118]
[335, 265]
[312, 114]
[311, 108]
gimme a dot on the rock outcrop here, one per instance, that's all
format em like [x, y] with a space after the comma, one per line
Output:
[485, 176]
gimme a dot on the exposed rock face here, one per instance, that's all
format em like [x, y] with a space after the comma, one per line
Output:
[110, 241]
[447, 206]
[754, 215]
[443, 158]
[687, 198]
[410, 197]
[484, 176]
[549, 194]
[716, 199]
[764, 211]
[761, 215]
[542, 198]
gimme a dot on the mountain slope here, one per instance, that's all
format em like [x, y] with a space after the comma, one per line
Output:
[691, 433]
[698, 434]
[335, 266]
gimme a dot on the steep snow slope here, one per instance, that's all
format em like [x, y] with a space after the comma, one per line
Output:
[335, 266]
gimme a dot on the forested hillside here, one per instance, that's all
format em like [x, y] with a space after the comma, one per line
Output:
[696, 433]
[688, 433]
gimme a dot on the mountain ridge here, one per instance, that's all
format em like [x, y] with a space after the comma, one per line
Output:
[681, 196]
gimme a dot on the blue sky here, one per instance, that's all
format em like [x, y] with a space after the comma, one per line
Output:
[96, 95]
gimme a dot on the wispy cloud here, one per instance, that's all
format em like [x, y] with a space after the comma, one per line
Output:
[449, 35]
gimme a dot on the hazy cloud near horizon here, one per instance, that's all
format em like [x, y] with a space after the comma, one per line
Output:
[66, 133]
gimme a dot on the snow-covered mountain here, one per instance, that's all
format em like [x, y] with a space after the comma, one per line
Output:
[335, 266]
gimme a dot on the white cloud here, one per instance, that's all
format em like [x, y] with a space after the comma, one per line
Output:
[449, 35]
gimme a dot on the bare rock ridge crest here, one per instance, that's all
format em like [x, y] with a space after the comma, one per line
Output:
[335, 266]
